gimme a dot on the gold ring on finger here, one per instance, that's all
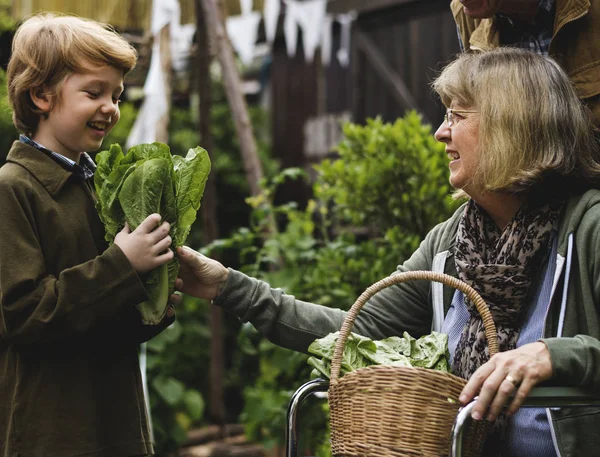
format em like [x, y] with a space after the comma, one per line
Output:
[509, 378]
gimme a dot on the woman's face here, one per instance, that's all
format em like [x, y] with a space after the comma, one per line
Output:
[461, 139]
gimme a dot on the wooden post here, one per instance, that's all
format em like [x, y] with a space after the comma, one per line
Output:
[164, 38]
[233, 88]
[210, 228]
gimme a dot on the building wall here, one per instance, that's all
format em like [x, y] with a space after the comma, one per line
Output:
[417, 40]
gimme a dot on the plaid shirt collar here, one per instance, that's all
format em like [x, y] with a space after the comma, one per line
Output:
[84, 169]
[547, 5]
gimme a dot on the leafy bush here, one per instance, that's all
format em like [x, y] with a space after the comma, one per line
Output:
[388, 176]
[9, 132]
[176, 361]
[7, 23]
[372, 206]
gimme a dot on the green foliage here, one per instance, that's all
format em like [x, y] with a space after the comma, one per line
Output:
[228, 166]
[9, 132]
[7, 23]
[387, 176]
[372, 207]
[176, 362]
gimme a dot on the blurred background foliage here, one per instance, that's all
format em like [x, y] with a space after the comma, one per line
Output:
[9, 133]
[370, 207]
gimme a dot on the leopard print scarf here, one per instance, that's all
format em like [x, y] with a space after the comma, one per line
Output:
[500, 265]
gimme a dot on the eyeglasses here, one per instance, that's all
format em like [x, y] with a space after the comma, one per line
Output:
[449, 116]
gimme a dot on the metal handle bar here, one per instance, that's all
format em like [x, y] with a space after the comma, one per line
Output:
[291, 432]
[547, 397]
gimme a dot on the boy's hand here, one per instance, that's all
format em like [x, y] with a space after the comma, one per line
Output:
[147, 247]
[199, 276]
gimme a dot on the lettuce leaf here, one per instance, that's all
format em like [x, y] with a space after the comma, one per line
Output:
[429, 351]
[146, 180]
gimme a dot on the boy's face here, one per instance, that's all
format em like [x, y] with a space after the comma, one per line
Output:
[86, 111]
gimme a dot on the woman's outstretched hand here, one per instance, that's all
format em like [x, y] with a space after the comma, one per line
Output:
[506, 374]
[199, 276]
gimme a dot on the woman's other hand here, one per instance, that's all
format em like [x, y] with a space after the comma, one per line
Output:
[510, 373]
[199, 276]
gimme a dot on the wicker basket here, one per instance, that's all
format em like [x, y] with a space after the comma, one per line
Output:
[388, 411]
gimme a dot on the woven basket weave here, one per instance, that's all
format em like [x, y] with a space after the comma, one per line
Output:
[388, 411]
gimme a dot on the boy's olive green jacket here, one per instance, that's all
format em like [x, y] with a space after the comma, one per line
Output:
[70, 382]
[410, 307]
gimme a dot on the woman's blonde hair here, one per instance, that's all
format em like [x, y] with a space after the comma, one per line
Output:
[534, 133]
[47, 48]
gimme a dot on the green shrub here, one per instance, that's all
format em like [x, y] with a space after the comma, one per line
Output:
[177, 381]
[8, 130]
[387, 176]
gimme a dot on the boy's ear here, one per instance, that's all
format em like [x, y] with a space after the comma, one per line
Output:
[40, 98]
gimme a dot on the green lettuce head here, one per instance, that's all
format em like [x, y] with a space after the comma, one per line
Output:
[147, 180]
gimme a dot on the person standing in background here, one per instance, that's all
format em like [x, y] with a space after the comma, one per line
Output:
[566, 30]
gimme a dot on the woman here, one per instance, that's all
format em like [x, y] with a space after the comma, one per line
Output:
[528, 240]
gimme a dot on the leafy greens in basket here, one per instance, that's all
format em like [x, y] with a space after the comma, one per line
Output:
[429, 351]
[147, 180]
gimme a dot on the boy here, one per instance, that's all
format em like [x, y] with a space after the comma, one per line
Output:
[69, 378]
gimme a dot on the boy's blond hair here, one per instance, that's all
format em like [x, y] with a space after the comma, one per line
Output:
[47, 48]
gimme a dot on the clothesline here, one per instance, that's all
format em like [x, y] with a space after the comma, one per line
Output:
[310, 16]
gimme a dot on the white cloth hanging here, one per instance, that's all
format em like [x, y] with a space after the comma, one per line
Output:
[182, 39]
[271, 11]
[245, 6]
[290, 26]
[311, 17]
[155, 103]
[242, 31]
[164, 12]
[343, 54]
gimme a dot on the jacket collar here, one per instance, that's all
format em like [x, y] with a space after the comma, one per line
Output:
[569, 10]
[485, 35]
[48, 172]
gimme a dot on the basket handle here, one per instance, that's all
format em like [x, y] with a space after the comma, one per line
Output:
[397, 278]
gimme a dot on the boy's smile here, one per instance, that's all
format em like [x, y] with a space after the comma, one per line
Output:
[86, 111]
